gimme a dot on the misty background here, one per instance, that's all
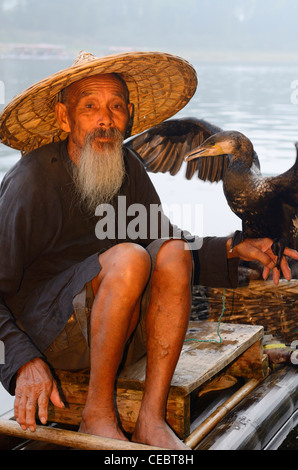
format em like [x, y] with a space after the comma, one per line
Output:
[262, 30]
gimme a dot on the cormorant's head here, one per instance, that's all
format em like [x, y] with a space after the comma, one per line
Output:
[223, 143]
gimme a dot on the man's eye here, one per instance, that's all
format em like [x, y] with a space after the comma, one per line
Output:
[89, 105]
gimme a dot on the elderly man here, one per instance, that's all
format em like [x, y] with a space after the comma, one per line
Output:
[72, 300]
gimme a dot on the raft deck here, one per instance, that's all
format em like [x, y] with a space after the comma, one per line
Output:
[239, 354]
[201, 365]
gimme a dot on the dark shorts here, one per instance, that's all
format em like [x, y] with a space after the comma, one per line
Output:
[71, 349]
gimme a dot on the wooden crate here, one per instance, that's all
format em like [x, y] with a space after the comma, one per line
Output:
[240, 353]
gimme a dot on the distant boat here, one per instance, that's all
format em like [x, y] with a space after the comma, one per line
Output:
[31, 51]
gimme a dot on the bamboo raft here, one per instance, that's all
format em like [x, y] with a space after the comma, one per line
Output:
[203, 366]
[237, 365]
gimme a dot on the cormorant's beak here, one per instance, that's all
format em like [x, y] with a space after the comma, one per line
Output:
[204, 151]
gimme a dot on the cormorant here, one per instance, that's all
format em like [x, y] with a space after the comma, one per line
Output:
[268, 207]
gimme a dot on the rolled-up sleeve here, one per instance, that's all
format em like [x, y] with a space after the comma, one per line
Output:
[212, 268]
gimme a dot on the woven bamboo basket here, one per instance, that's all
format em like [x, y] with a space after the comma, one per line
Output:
[259, 303]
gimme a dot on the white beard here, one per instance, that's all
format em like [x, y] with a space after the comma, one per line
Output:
[100, 171]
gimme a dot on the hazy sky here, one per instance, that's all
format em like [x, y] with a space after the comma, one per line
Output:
[208, 28]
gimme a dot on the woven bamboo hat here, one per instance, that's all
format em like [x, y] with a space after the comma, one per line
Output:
[159, 86]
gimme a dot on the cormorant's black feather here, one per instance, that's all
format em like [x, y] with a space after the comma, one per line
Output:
[163, 148]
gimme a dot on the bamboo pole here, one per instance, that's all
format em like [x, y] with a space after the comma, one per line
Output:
[204, 428]
[72, 439]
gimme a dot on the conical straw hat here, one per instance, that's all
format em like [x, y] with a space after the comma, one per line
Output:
[159, 86]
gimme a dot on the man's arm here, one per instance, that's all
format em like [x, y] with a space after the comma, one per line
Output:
[212, 266]
[18, 348]
[16, 226]
[22, 236]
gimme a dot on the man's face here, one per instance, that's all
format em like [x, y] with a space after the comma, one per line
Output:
[97, 102]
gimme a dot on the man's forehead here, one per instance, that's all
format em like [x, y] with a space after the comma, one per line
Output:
[94, 83]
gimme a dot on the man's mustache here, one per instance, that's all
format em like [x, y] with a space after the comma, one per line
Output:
[102, 133]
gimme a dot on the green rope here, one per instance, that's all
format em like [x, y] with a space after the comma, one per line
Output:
[218, 326]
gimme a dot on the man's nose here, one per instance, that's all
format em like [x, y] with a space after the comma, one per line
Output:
[104, 118]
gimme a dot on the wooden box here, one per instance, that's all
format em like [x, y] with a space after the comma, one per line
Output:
[240, 353]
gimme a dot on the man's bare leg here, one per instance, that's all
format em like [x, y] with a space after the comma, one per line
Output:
[166, 324]
[118, 287]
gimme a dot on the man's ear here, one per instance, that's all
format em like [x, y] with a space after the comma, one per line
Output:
[62, 116]
[131, 109]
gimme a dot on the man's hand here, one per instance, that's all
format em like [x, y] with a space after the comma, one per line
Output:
[35, 386]
[259, 249]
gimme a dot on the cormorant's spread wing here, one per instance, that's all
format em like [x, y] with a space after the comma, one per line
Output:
[163, 148]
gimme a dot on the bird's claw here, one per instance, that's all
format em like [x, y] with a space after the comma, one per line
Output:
[278, 248]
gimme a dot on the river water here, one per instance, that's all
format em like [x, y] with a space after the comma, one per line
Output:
[258, 100]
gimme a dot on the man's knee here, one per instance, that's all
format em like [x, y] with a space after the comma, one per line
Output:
[126, 264]
[174, 260]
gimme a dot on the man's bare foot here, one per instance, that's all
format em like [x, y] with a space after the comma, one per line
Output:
[157, 434]
[104, 427]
